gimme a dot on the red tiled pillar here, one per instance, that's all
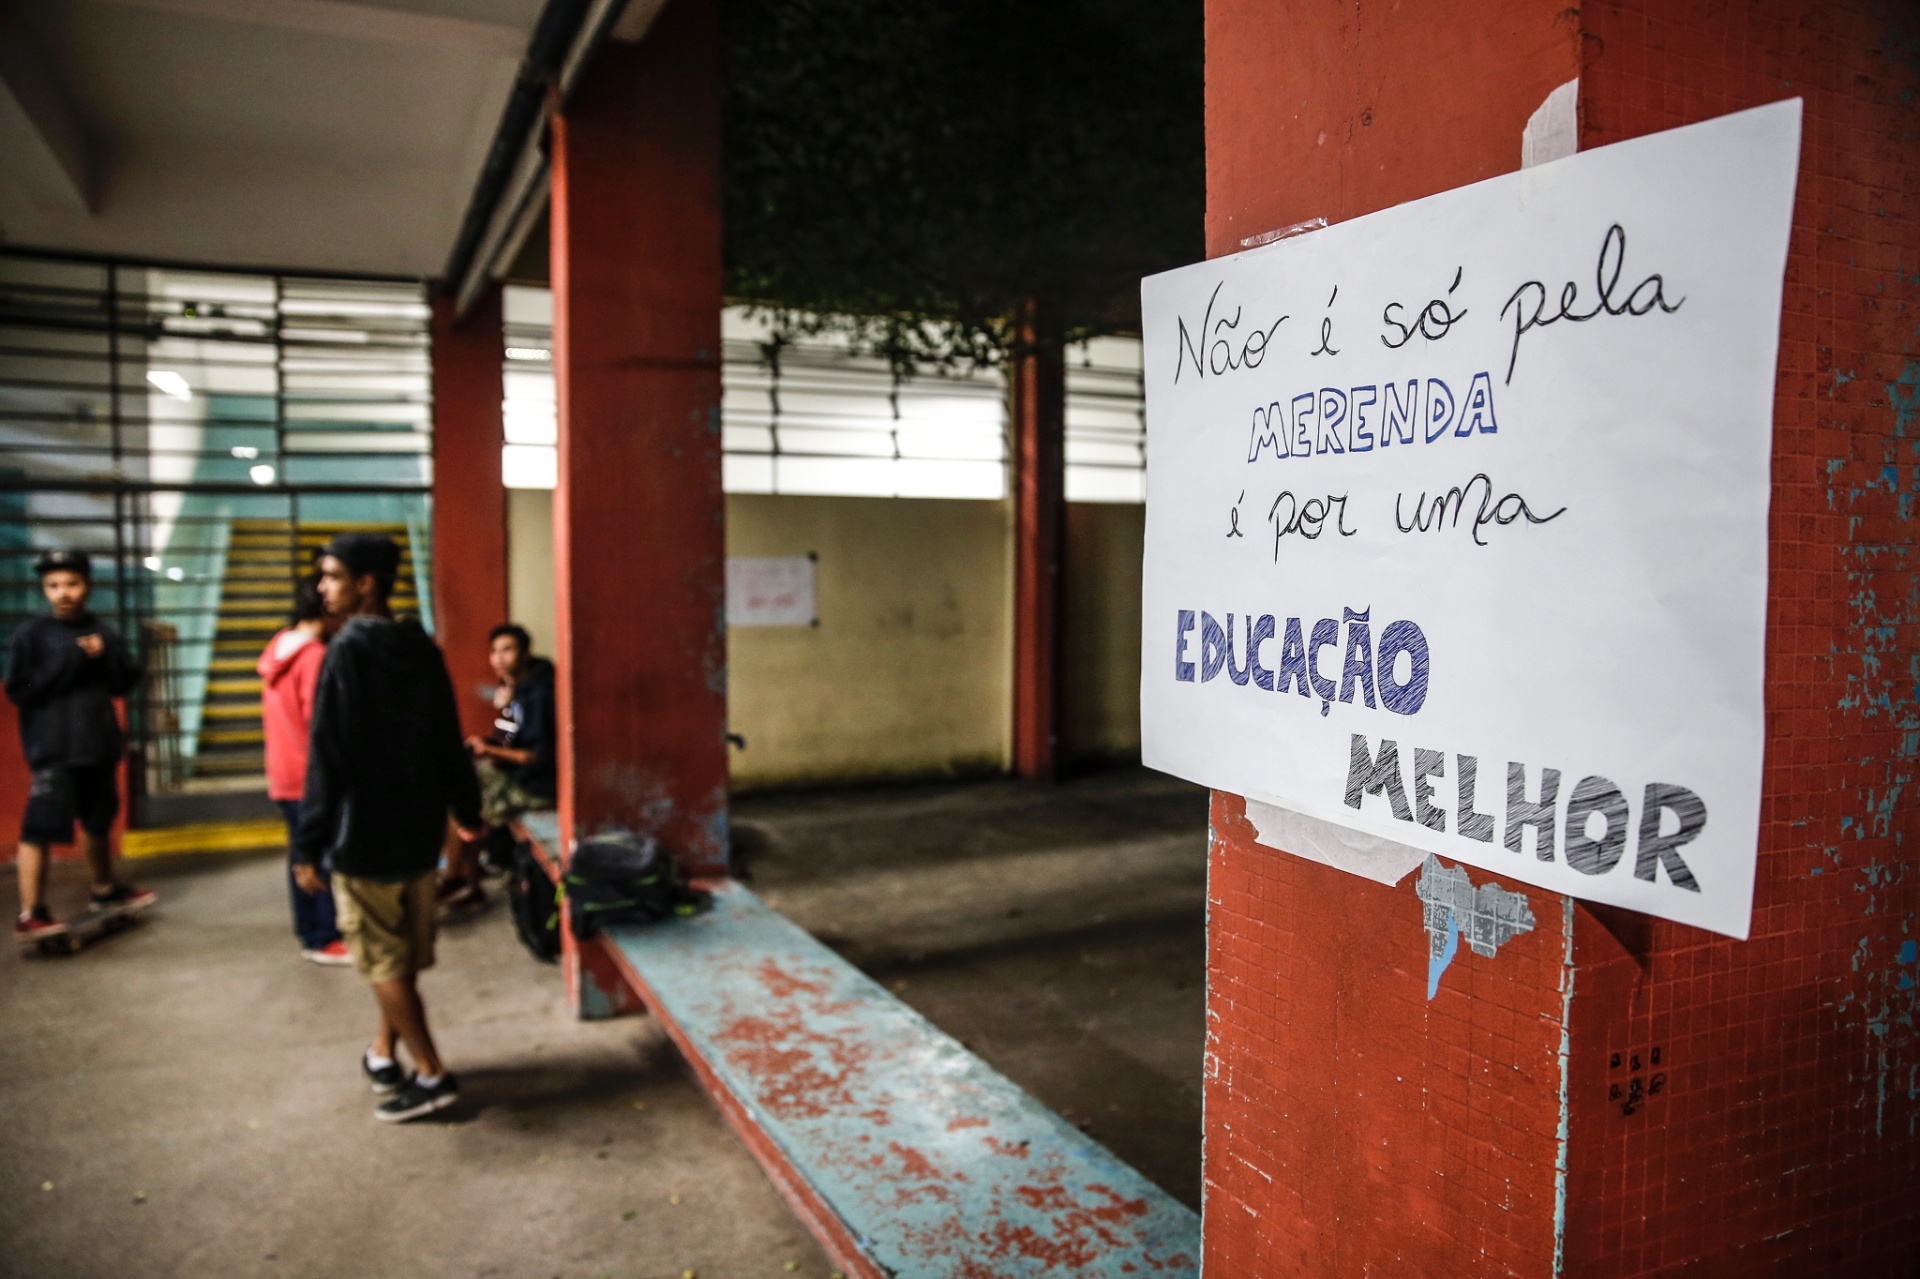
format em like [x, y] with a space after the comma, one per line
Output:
[469, 499]
[1039, 402]
[1352, 1123]
[1782, 1142]
[639, 522]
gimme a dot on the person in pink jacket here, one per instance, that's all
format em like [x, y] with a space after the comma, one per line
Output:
[289, 672]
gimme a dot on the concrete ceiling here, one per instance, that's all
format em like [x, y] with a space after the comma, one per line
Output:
[321, 135]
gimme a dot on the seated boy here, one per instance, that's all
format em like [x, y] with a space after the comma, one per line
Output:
[516, 760]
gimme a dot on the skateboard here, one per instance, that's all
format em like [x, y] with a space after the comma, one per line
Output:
[85, 929]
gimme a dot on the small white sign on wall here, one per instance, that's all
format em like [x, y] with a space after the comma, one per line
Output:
[770, 590]
[1457, 518]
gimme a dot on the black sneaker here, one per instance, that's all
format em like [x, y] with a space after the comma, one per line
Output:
[386, 1080]
[416, 1099]
[124, 896]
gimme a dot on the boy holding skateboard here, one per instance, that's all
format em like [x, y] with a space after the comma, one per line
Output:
[64, 669]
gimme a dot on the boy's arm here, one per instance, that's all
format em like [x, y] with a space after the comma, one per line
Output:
[35, 678]
[321, 798]
[122, 671]
[538, 730]
[306, 680]
[462, 783]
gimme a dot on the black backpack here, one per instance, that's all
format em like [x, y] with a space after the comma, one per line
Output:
[534, 904]
[625, 879]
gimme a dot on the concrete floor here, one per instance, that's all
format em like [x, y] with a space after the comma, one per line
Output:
[188, 1089]
[1057, 931]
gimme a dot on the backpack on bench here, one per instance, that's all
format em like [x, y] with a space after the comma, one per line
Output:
[625, 879]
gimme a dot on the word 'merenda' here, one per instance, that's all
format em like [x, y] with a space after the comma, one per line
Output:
[1332, 420]
[1592, 798]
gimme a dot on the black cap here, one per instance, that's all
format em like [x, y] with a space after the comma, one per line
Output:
[364, 553]
[67, 561]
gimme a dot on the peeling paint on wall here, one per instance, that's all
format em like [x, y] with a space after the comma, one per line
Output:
[1489, 915]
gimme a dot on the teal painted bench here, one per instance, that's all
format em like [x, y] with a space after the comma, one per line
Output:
[906, 1155]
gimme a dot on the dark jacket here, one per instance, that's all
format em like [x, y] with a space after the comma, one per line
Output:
[528, 725]
[385, 761]
[65, 697]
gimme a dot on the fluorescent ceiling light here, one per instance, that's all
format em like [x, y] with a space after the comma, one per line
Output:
[262, 474]
[529, 353]
[152, 562]
[176, 574]
[246, 451]
[168, 382]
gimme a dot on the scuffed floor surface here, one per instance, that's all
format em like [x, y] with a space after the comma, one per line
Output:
[1057, 931]
[189, 1092]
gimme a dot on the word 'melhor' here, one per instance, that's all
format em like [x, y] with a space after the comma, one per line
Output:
[1371, 773]
[1331, 420]
[1363, 670]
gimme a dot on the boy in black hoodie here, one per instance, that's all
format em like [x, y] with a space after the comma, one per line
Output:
[63, 671]
[385, 768]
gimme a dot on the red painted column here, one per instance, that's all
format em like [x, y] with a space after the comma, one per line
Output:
[469, 499]
[1039, 403]
[1781, 1127]
[1354, 1125]
[639, 521]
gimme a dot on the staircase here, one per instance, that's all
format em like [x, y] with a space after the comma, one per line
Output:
[264, 560]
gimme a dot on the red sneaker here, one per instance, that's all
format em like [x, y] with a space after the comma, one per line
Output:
[37, 925]
[332, 955]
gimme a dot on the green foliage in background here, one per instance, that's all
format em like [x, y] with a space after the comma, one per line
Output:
[927, 166]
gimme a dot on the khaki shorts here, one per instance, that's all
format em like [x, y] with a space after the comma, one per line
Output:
[388, 927]
[501, 798]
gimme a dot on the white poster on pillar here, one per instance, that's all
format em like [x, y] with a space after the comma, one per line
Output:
[1457, 518]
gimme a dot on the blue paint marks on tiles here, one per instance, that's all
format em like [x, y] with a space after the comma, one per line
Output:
[1437, 961]
[1452, 905]
[937, 1165]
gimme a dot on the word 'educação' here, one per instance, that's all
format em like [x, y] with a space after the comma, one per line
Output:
[1363, 668]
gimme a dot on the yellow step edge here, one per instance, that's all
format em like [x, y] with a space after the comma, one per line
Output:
[267, 521]
[232, 737]
[277, 601]
[231, 710]
[205, 837]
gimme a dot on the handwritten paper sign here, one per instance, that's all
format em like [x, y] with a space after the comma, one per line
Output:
[770, 590]
[1457, 518]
